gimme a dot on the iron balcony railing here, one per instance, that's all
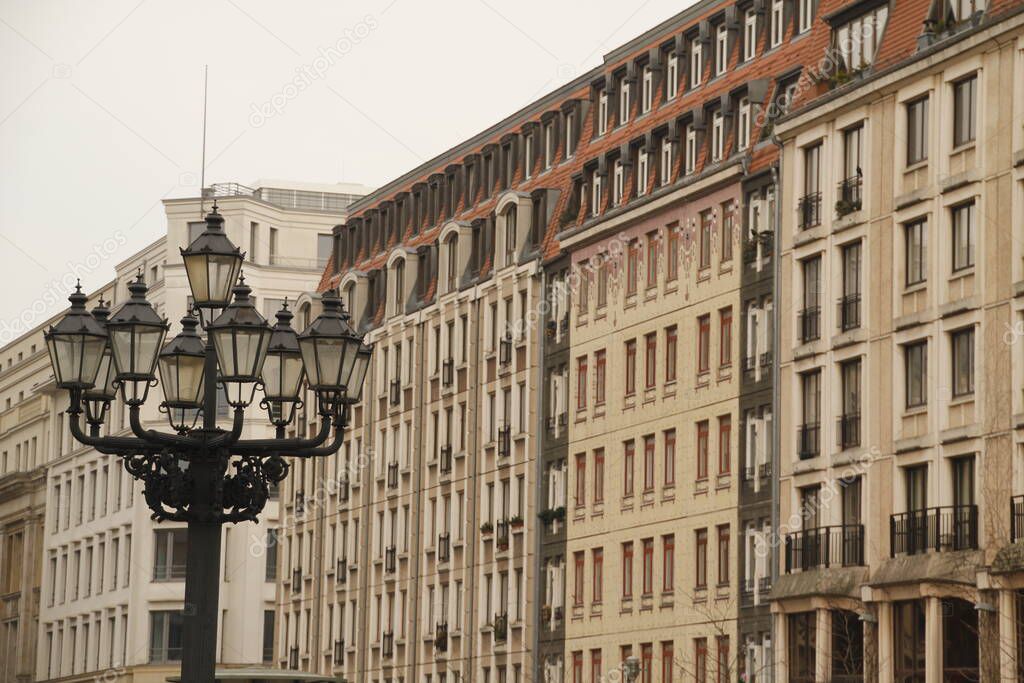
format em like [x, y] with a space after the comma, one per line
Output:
[297, 579]
[445, 459]
[505, 441]
[808, 439]
[810, 324]
[826, 546]
[501, 627]
[300, 501]
[501, 530]
[748, 473]
[444, 547]
[441, 636]
[392, 475]
[293, 657]
[563, 419]
[343, 490]
[395, 392]
[387, 644]
[390, 556]
[849, 311]
[764, 470]
[505, 351]
[339, 652]
[1016, 519]
[563, 324]
[850, 197]
[848, 430]
[749, 364]
[448, 372]
[810, 210]
[764, 585]
[950, 527]
[766, 359]
[341, 571]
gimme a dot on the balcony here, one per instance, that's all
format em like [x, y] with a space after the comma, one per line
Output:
[441, 637]
[341, 571]
[293, 657]
[1016, 519]
[937, 529]
[343, 490]
[390, 557]
[501, 534]
[810, 324]
[849, 312]
[766, 360]
[501, 627]
[444, 547]
[445, 459]
[749, 364]
[824, 547]
[505, 441]
[850, 196]
[339, 652]
[563, 419]
[395, 392]
[392, 475]
[505, 352]
[448, 372]
[300, 502]
[808, 437]
[764, 470]
[810, 211]
[748, 473]
[387, 644]
[297, 579]
[848, 430]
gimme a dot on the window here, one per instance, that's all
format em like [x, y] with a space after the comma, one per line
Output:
[170, 548]
[648, 566]
[963, 236]
[630, 367]
[703, 344]
[602, 280]
[916, 241]
[549, 145]
[671, 344]
[717, 136]
[570, 133]
[705, 239]
[165, 635]
[917, 131]
[581, 383]
[700, 660]
[632, 267]
[701, 559]
[596, 190]
[777, 25]
[618, 183]
[806, 15]
[527, 157]
[743, 125]
[915, 357]
[909, 638]
[803, 647]
[963, 361]
[649, 463]
[653, 243]
[728, 217]
[857, 39]
[721, 50]
[964, 110]
[650, 360]
[597, 567]
[723, 555]
[647, 90]
[624, 92]
[696, 63]
[810, 394]
[668, 551]
[691, 149]
[602, 112]
[672, 254]
[628, 456]
[725, 337]
[600, 363]
[581, 479]
[643, 172]
[667, 661]
[724, 444]
[702, 449]
[627, 570]
[670, 457]
[599, 476]
[665, 170]
[749, 35]
[672, 76]
[577, 592]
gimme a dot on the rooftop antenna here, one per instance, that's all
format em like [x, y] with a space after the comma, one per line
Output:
[202, 168]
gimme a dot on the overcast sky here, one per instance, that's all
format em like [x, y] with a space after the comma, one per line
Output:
[101, 105]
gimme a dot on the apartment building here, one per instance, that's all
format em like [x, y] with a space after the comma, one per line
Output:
[901, 376]
[96, 587]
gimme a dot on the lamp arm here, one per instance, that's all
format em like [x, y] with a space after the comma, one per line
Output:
[340, 423]
[228, 439]
[262, 446]
[109, 445]
[153, 437]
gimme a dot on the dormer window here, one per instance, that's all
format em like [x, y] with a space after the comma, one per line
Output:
[549, 145]
[857, 39]
[672, 76]
[643, 171]
[570, 133]
[743, 122]
[749, 35]
[527, 156]
[691, 149]
[452, 253]
[806, 15]
[602, 112]
[717, 136]
[696, 63]
[623, 101]
[721, 50]
[595, 193]
[647, 90]
[964, 9]
[777, 25]
[618, 183]
[399, 287]
[665, 172]
[511, 235]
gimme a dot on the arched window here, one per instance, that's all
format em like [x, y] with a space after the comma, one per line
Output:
[350, 299]
[400, 286]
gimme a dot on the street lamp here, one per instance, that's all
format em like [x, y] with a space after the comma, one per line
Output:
[203, 474]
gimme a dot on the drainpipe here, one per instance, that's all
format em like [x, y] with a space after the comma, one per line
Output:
[538, 486]
[776, 399]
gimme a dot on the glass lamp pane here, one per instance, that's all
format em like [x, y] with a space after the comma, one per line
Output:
[198, 278]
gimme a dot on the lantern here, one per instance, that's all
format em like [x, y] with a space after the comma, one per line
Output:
[98, 397]
[182, 363]
[136, 333]
[282, 370]
[212, 264]
[241, 336]
[76, 345]
[329, 348]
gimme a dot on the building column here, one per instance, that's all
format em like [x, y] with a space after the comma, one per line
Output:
[871, 629]
[933, 639]
[884, 652]
[989, 644]
[780, 647]
[823, 640]
[1007, 623]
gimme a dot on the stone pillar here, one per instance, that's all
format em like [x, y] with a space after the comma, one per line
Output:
[988, 635]
[871, 629]
[823, 642]
[933, 639]
[1007, 635]
[885, 651]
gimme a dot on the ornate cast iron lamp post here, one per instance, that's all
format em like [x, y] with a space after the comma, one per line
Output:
[202, 474]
